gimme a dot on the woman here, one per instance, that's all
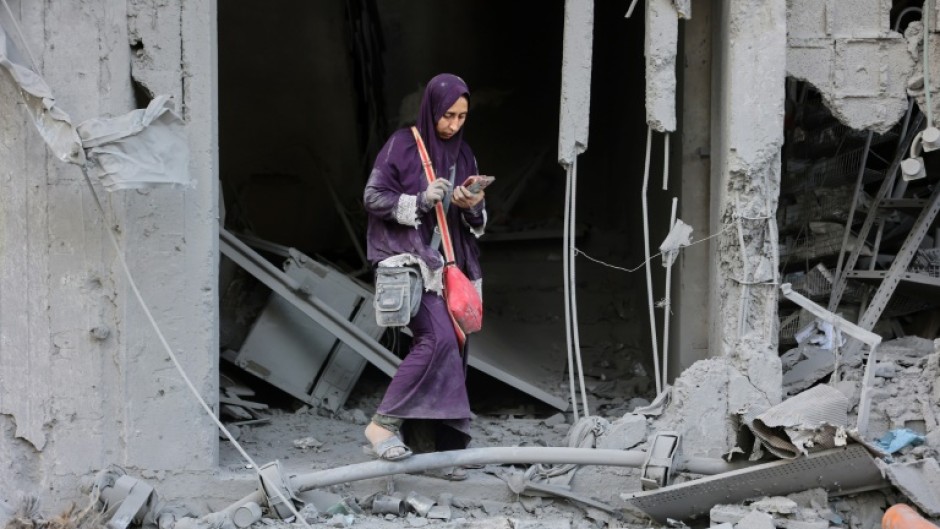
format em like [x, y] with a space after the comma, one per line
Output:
[426, 404]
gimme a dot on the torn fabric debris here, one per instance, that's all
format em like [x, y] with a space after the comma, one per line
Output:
[679, 236]
[142, 148]
[53, 123]
[822, 334]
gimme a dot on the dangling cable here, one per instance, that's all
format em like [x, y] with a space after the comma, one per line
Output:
[573, 297]
[566, 263]
[646, 248]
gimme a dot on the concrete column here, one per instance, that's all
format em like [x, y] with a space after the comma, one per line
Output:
[745, 191]
[85, 381]
[690, 333]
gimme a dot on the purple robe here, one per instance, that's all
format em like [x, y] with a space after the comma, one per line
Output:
[430, 382]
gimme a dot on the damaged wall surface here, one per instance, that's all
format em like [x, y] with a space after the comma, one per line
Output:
[85, 382]
[745, 187]
[848, 51]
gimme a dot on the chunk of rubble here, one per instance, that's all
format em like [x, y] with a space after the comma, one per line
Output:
[804, 366]
[919, 481]
[624, 433]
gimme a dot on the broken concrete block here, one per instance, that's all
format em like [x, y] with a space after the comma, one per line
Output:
[919, 481]
[756, 520]
[803, 524]
[775, 505]
[492, 507]
[624, 433]
[730, 514]
[553, 523]
[812, 364]
[558, 418]
[662, 38]
[811, 499]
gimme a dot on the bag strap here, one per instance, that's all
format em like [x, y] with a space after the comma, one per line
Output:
[439, 207]
[442, 227]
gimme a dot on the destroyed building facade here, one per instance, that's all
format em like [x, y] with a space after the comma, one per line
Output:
[84, 379]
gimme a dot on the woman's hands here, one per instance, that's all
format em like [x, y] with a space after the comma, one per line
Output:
[466, 199]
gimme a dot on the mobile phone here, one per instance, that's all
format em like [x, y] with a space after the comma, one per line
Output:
[476, 183]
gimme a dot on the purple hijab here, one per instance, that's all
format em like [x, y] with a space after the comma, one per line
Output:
[440, 94]
[398, 180]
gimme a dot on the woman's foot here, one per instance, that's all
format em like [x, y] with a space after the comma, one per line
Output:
[385, 443]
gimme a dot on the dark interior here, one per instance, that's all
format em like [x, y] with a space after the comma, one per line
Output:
[309, 91]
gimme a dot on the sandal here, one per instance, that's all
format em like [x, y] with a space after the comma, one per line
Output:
[448, 473]
[382, 449]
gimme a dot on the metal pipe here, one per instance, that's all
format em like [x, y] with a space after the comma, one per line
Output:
[493, 455]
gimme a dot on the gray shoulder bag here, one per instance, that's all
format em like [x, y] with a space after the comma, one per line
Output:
[398, 292]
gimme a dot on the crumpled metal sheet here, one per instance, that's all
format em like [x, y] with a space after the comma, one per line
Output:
[811, 421]
[142, 148]
[53, 123]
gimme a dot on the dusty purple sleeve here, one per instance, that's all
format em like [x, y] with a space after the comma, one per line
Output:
[385, 195]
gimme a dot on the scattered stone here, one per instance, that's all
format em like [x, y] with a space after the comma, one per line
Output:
[731, 514]
[359, 417]
[418, 522]
[341, 520]
[530, 503]
[492, 507]
[802, 524]
[464, 503]
[307, 443]
[554, 523]
[624, 433]
[886, 369]
[775, 505]
[816, 499]
[756, 520]
[558, 418]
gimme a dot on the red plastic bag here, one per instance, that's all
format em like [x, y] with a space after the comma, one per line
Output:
[463, 300]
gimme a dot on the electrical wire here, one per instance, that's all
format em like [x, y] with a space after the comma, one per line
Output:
[646, 250]
[573, 300]
[566, 264]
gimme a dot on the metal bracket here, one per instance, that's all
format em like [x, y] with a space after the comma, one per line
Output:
[660, 461]
[132, 498]
[276, 489]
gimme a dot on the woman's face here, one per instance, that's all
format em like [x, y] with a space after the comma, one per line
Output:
[452, 120]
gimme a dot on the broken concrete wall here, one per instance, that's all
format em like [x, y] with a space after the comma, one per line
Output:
[85, 382]
[660, 48]
[745, 190]
[915, 46]
[849, 53]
